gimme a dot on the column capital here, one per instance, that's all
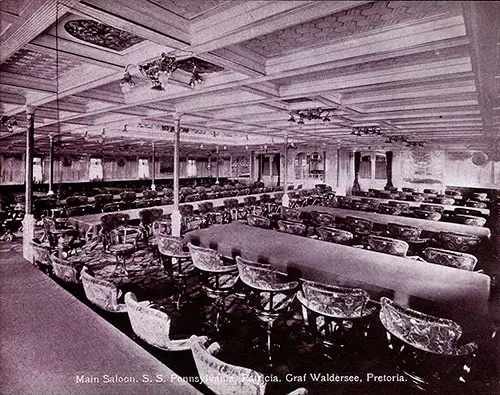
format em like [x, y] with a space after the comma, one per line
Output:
[30, 110]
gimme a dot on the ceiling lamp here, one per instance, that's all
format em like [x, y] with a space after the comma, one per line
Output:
[8, 122]
[196, 79]
[159, 71]
[404, 140]
[311, 114]
[366, 130]
[127, 83]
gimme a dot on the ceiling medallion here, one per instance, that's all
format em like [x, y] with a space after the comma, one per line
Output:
[102, 35]
[311, 114]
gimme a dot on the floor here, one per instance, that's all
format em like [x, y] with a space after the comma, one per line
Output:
[298, 362]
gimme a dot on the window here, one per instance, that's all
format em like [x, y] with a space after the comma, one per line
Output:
[191, 168]
[380, 167]
[95, 169]
[37, 170]
[143, 170]
[365, 167]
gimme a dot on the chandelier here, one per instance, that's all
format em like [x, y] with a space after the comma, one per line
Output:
[8, 122]
[311, 114]
[366, 130]
[404, 140]
[159, 71]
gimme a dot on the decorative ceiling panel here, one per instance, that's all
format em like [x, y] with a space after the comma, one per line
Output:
[102, 35]
[188, 9]
[36, 64]
[361, 19]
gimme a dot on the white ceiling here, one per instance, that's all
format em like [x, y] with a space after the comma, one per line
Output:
[427, 70]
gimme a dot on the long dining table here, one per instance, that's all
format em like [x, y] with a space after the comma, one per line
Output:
[446, 207]
[404, 279]
[91, 223]
[384, 219]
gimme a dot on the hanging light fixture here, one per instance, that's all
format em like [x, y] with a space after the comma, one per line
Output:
[8, 122]
[366, 130]
[159, 71]
[311, 114]
[196, 79]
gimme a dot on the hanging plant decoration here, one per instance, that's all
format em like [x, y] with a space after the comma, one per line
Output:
[67, 161]
[121, 161]
[479, 158]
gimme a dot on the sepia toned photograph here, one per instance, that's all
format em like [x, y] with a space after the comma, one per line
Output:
[249, 197]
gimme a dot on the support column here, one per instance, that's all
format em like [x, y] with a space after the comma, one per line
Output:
[389, 157]
[324, 166]
[357, 164]
[286, 200]
[29, 220]
[153, 186]
[51, 166]
[217, 165]
[176, 215]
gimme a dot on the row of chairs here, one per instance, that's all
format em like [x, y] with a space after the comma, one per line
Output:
[447, 249]
[329, 313]
[432, 212]
[450, 197]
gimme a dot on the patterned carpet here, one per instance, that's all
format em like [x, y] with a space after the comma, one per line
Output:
[297, 359]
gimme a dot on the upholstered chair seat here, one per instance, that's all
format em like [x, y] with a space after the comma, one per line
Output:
[294, 228]
[358, 205]
[148, 217]
[361, 228]
[386, 208]
[290, 214]
[403, 207]
[468, 211]
[388, 245]
[429, 215]
[371, 204]
[223, 378]
[218, 279]
[334, 235]
[207, 213]
[102, 293]
[66, 270]
[469, 220]
[426, 347]
[444, 200]
[458, 241]
[41, 255]
[319, 218]
[410, 234]
[335, 316]
[259, 221]
[267, 296]
[476, 204]
[459, 260]
[177, 263]
[432, 207]
[119, 239]
[152, 325]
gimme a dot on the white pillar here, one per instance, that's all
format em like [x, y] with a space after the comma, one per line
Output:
[217, 165]
[286, 199]
[176, 215]
[153, 186]
[51, 165]
[29, 219]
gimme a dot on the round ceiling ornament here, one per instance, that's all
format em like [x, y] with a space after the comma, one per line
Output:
[479, 158]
